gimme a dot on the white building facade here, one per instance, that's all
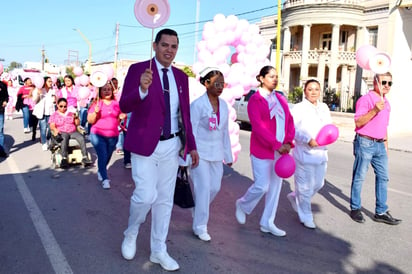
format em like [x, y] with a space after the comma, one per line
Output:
[319, 40]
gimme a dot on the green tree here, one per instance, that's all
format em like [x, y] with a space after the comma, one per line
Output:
[14, 65]
[296, 95]
[189, 71]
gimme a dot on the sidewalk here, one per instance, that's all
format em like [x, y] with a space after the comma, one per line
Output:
[345, 123]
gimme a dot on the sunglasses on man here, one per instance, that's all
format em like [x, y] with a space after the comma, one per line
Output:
[384, 82]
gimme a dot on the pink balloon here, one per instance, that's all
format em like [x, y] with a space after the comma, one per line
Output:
[78, 71]
[363, 55]
[285, 166]
[1, 68]
[84, 80]
[54, 79]
[327, 135]
[38, 81]
[84, 92]
[233, 59]
[108, 69]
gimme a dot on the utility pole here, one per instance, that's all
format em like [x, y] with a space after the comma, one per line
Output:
[116, 50]
[42, 58]
[279, 24]
[196, 30]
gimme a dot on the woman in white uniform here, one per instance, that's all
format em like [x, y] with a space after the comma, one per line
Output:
[310, 116]
[209, 116]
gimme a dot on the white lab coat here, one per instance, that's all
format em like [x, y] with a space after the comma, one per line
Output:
[213, 147]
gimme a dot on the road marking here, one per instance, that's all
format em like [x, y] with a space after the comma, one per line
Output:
[52, 248]
[400, 192]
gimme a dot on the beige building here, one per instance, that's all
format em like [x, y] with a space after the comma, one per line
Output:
[319, 39]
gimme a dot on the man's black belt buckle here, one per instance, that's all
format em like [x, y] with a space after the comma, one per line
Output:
[173, 135]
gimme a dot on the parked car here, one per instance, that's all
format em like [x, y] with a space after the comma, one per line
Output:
[241, 107]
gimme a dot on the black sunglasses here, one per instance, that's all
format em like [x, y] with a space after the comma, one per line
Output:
[384, 82]
[62, 106]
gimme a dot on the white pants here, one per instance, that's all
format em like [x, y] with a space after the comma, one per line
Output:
[207, 178]
[155, 178]
[309, 179]
[266, 181]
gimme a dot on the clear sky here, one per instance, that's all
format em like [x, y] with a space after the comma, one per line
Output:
[29, 26]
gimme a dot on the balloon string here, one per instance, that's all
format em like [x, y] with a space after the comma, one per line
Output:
[151, 50]
[379, 86]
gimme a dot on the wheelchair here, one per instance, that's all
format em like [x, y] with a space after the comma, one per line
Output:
[74, 153]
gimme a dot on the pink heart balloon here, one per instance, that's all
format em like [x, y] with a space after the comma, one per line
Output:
[285, 166]
[327, 135]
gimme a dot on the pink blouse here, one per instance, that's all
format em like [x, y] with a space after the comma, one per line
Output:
[64, 122]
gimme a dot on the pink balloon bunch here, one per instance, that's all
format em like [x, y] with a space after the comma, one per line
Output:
[327, 135]
[228, 39]
[285, 166]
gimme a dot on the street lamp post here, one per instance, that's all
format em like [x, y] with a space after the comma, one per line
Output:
[89, 61]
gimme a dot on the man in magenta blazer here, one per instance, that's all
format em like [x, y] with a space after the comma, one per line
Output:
[154, 155]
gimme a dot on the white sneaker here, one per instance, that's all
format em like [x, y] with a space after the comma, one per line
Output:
[309, 224]
[272, 229]
[44, 147]
[106, 184]
[292, 199]
[128, 165]
[129, 247]
[204, 237]
[240, 215]
[165, 261]
[99, 177]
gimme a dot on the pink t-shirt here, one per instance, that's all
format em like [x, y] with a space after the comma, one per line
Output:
[108, 121]
[378, 125]
[63, 122]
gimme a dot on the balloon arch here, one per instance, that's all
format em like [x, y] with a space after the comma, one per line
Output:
[230, 39]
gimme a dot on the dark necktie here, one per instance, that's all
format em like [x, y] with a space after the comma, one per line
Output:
[166, 93]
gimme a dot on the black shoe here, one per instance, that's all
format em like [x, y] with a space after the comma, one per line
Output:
[87, 162]
[64, 163]
[386, 218]
[3, 153]
[357, 216]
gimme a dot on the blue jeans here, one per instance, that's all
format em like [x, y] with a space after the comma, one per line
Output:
[2, 129]
[369, 152]
[26, 116]
[104, 147]
[44, 129]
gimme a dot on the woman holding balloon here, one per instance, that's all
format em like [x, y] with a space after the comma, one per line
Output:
[310, 154]
[272, 136]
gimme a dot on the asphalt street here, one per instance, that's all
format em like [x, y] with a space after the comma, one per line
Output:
[62, 221]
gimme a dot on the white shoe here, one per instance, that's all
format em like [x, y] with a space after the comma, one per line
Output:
[273, 230]
[129, 247]
[128, 165]
[99, 177]
[165, 261]
[309, 224]
[240, 215]
[106, 184]
[204, 237]
[44, 147]
[292, 199]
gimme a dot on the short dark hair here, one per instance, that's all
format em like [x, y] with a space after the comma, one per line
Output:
[210, 75]
[166, 32]
[263, 71]
[61, 99]
[312, 80]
